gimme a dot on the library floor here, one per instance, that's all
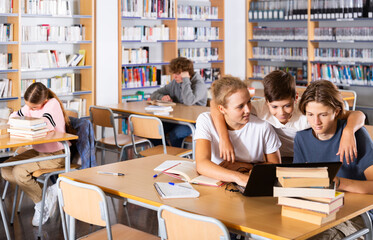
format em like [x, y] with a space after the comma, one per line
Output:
[22, 229]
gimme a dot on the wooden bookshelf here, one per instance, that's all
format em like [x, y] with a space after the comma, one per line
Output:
[169, 49]
[311, 24]
[83, 13]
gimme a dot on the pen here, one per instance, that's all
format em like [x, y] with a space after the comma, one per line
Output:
[156, 175]
[111, 173]
[173, 184]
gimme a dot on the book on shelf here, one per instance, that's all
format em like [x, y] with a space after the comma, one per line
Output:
[77, 104]
[328, 192]
[323, 207]
[307, 215]
[186, 171]
[76, 60]
[303, 182]
[175, 190]
[5, 87]
[82, 61]
[25, 121]
[318, 172]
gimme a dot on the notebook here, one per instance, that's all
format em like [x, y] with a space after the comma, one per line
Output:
[263, 177]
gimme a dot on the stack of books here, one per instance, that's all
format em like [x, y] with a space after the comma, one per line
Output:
[27, 127]
[306, 194]
[159, 110]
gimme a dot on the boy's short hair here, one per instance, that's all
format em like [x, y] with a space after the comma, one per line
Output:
[182, 64]
[224, 87]
[279, 85]
[324, 92]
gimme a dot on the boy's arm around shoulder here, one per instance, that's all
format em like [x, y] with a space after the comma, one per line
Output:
[226, 150]
[347, 147]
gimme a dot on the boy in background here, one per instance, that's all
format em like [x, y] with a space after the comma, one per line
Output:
[187, 87]
[280, 109]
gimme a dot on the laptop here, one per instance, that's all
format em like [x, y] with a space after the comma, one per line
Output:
[263, 177]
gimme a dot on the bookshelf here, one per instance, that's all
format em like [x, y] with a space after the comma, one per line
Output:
[161, 50]
[53, 33]
[337, 40]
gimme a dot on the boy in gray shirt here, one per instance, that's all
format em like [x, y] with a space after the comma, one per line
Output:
[187, 87]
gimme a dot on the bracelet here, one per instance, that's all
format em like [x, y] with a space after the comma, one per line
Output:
[338, 183]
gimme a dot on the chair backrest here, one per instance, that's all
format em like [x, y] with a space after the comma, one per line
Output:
[146, 127]
[84, 202]
[180, 225]
[72, 113]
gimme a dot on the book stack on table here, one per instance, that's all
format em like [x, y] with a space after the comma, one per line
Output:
[307, 194]
[27, 127]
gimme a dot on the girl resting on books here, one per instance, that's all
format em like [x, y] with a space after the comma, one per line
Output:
[254, 140]
[41, 102]
[323, 106]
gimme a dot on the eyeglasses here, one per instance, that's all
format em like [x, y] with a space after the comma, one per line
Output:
[230, 187]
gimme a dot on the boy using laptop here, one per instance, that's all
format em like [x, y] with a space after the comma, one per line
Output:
[280, 109]
[322, 105]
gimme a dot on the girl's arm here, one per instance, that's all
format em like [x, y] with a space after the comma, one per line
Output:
[347, 147]
[273, 157]
[357, 186]
[226, 150]
[210, 169]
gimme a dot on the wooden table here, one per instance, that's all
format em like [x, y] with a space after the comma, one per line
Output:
[257, 215]
[181, 114]
[17, 142]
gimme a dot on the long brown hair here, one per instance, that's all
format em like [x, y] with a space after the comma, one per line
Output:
[37, 93]
[323, 92]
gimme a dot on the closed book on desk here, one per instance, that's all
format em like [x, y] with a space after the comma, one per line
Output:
[303, 182]
[25, 121]
[322, 207]
[304, 192]
[179, 190]
[317, 172]
[154, 108]
[186, 171]
[307, 215]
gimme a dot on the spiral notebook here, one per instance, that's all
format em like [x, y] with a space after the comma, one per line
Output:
[178, 190]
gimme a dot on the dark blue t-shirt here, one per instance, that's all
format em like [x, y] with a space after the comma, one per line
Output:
[307, 148]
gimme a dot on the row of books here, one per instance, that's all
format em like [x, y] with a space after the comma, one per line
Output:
[198, 33]
[209, 74]
[148, 8]
[50, 7]
[280, 53]
[299, 73]
[45, 32]
[133, 77]
[268, 33]
[344, 33]
[278, 9]
[5, 88]
[307, 194]
[146, 33]
[51, 59]
[6, 6]
[6, 32]
[27, 127]
[5, 61]
[135, 55]
[344, 54]
[77, 104]
[343, 74]
[202, 54]
[67, 83]
[340, 9]
[197, 12]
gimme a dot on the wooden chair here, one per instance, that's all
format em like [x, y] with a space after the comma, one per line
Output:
[176, 224]
[152, 127]
[72, 113]
[104, 117]
[88, 203]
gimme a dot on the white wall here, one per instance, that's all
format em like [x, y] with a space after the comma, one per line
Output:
[106, 52]
[235, 35]
[107, 46]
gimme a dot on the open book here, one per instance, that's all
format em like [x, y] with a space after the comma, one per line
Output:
[180, 190]
[186, 171]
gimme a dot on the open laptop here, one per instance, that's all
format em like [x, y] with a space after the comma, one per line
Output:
[263, 177]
